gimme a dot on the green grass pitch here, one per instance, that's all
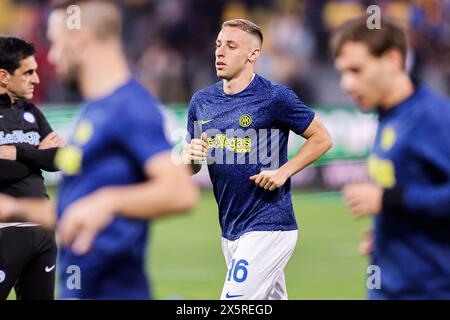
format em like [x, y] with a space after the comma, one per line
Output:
[185, 260]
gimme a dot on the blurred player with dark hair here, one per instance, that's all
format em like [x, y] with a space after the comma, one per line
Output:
[232, 119]
[118, 171]
[409, 164]
[27, 145]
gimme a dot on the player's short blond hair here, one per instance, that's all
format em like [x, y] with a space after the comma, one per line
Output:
[245, 25]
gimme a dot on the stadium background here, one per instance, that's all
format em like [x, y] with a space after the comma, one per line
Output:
[170, 47]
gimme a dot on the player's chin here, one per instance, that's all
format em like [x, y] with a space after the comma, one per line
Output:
[221, 74]
[365, 106]
[366, 109]
[27, 96]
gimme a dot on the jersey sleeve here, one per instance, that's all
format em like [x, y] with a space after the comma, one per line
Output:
[43, 126]
[30, 155]
[193, 127]
[141, 132]
[432, 147]
[290, 112]
[13, 171]
[434, 199]
[42, 159]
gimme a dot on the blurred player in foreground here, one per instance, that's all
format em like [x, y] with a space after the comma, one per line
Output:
[250, 171]
[409, 164]
[117, 166]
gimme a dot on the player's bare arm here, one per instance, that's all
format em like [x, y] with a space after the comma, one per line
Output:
[318, 141]
[52, 140]
[365, 246]
[364, 198]
[169, 190]
[41, 211]
[8, 153]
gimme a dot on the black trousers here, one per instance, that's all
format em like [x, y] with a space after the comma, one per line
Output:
[27, 263]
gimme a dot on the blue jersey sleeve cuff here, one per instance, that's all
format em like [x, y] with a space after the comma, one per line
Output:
[393, 199]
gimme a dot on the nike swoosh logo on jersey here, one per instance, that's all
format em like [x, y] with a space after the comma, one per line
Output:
[229, 296]
[48, 269]
[206, 121]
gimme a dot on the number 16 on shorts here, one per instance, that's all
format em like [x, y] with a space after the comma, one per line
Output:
[238, 271]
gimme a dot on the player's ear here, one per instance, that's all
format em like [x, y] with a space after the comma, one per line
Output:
[254, 55]
[4, 77]
[395, 58]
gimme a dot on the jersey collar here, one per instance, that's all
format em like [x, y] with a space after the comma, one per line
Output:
[5, 100]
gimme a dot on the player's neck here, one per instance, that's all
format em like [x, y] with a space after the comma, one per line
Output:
[11, 96]
[238, 84]
[2, 90]
[402, 89]
[5, 91]
[103, 73]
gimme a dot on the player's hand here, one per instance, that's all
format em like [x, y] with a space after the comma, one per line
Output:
[366, 245]
[363, 198]
[8, 207]
[52, 140]
[84, 219]
[197, 150]
[270, 179]
[8, 152]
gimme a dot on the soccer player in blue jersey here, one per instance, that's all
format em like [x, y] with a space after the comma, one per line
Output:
[240, 125]
[409, 194]
[118, 170]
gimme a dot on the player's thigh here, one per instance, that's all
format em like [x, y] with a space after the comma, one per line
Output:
[15, 252]
[37, 281]
[257, 263]
[279, 291]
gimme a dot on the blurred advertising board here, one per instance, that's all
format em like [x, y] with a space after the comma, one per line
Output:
[352, 134]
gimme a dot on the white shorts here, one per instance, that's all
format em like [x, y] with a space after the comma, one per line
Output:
[256, 263]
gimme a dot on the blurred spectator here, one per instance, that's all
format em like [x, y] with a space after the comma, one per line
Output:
[169, 43]
[288, 56]
[161, 70]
